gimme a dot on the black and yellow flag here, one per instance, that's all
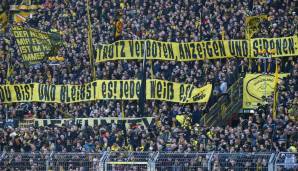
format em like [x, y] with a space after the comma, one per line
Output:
[3, 20]
[118, 28]
[252, 24]
[35, 45]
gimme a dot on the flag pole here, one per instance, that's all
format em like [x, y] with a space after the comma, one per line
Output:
[274, 110]
[142, 96]
[90, 47]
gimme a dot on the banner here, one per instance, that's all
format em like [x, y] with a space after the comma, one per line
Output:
[34, 45]
[252, 24]
[145, 122]
[25, 7]
[105, 90]
[3, 20]
[21, 16]
[157, 50]
[256, 87]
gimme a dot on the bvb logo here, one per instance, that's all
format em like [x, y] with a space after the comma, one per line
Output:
[257, 87]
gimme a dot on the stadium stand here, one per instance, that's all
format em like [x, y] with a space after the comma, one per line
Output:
[178, 131]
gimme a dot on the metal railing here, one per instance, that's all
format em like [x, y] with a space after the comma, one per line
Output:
[148, 161]
[226, 105]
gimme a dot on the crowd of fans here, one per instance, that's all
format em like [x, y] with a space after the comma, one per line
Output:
[167, 20]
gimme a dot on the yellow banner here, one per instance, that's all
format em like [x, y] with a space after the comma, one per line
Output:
[3, 20]
[157, 50]
[256, 87]
[105, 90]
[25, 7]
[21, 16]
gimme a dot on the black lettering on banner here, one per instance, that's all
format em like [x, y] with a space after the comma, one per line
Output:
[199, 96]
[159, 89]
[132, 88]
[187, 51]
[238, 48]
[137, 48]
[45, 122]
[189, 92]
[122, 44]
[88, 91]
[159, 49]
[79, 121]
[131, 48]
[78, 91]
[142, 48]
[115, 89]
[182, 97]
[27, 92]
[126, 89]
[110, 89]
[255, 48]
[278, 47]
[200, 51]
[245, 48]
[121, 89]
[82, 92]
[215, 47]
[111, 51]
[164, 92]
[18, 92]
[138, 87]
[62, 94]
[193, 50]
[170, 92]
[86, 122]
[103, 89]
[73, 92]
[209, 50]
[148, 48]
[222, 48]
[95, 122]
[165, 50]
[98, 52]
[231, 48]
[146, 123]
[43, 92]
[5, 94]
[94, 85]
[117, 51]
[105, 52]
[265, 44]
[291, 46]
[285, 46]
[181, 50]
[152, 88]
[103, 122]
[154, 49]
[271, 44]
[170, 51]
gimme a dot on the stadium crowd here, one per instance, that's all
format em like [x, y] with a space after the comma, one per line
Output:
[167, 20]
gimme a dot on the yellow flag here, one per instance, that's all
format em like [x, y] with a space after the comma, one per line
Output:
[252, 24]
[3, 21]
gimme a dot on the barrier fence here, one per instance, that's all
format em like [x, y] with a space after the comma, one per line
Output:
[148, 161]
